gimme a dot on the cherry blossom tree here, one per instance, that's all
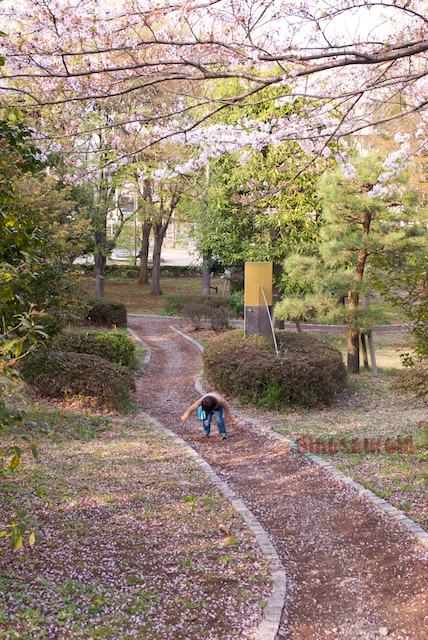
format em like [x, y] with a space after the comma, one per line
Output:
[348, 59]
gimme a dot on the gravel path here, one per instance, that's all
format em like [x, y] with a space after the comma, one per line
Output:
[352, 572]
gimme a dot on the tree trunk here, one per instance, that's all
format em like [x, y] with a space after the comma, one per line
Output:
[364, 352]
[206, 273]
[143, 278]
[353, 338]
[352, 335]
[159, 234]
[206, 282]
[298, 326]
[99, 263]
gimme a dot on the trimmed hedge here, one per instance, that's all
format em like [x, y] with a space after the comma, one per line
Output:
[132, 271]
[107, 313]
[308, 371]
[58, 374]
[214, 312]
[114, 346]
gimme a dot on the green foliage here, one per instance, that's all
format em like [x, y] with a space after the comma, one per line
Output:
[302, 309]
[258, 205]
[17, 527]
[130, 271]
[39, 234]
[236, 301]
[307, 372]
[173, 305]
[15, 345]
[355, 228]
[234, 231]
[403, 281]
[18, 240]
[114, 346]
[107, 313]
[61, 374]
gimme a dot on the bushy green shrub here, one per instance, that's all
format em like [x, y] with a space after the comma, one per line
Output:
[307, 372]
[107, 313]
[236, 301]
[114, 346]
[60, 374]
[214, 312]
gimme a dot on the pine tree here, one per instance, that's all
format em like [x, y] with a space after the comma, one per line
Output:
[355, 228]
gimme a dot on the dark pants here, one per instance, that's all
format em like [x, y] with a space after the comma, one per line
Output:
[219, 419]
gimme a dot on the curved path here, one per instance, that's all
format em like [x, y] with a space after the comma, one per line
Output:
[352, 571]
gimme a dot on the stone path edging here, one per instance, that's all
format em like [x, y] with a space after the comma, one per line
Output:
[148, 352]
[415, 529]
[268, 628]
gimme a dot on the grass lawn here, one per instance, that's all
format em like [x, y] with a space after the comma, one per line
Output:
[138, 299]
[135, 543]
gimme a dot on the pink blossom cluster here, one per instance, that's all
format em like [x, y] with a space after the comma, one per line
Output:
[155, 64]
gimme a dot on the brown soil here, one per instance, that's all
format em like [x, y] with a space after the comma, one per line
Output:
[352, 572]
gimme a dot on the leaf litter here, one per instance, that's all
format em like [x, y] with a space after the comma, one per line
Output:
[135, 543]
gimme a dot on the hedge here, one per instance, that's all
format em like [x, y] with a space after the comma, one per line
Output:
[214, 312]
[308, 371]
[114, 346]
[107, 313]
[61, 374]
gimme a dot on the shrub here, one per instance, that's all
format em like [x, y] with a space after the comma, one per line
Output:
[107, 313]
[172, 306]
[414, 381]
[212, 311]
[59, 374]
[236, 301]
[132, 271]
[307, 372]
[114, 346]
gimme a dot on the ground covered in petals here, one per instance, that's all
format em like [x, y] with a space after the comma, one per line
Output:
[135, 541]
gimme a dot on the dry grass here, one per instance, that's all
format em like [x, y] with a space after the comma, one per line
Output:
[135, 542]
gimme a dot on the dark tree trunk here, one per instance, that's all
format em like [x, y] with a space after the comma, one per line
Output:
[159, 231]
[143, 277]
[352, 335]
[99, 262]
[364, 352]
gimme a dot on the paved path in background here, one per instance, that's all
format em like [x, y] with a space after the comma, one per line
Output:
[352, 572]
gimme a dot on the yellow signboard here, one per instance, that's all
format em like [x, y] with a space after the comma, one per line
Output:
[258, 279]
